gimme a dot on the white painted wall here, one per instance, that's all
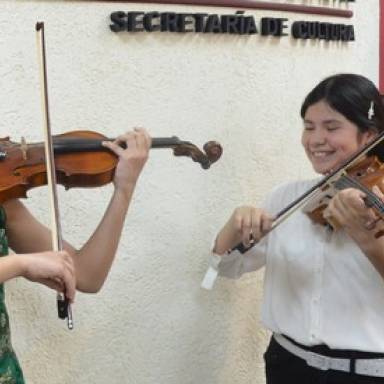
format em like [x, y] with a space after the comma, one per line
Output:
[152, 323]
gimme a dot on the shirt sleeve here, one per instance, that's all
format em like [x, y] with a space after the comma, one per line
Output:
[234, 264]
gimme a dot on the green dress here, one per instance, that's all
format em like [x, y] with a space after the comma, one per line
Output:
[10, 371]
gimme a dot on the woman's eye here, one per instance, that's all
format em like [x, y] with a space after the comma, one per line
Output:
[332, 127]
[308, 128]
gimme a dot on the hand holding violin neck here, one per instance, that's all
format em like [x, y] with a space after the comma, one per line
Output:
[80, 161]
[87, 141]
[78, 144]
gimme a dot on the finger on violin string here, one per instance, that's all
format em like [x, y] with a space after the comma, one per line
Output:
[140, 140]
[131, 140]
[376, 200]
[348, 203]
[142, 131]
[351, 196]
[139, 130]
[143, 139]
[114, 147]
[122, 139]
[377, 191]
[368, 202]
[371, 224]
[138, 137]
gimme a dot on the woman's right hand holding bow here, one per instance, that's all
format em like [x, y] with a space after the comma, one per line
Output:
[53, 269]
[245, 225]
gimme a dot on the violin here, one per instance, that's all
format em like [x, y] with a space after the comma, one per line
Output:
[363, 176]
[73, 159]
[363, 170]
[80, 161]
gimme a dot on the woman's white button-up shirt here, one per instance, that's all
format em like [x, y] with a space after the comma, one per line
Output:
[319, 287]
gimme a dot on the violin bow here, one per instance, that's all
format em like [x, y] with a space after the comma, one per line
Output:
[63, 305]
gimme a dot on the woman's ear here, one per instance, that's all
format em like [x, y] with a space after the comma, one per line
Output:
[368, 136]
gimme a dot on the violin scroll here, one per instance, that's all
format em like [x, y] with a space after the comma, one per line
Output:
[212, 152]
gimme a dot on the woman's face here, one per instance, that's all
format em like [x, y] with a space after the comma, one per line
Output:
[329, 138]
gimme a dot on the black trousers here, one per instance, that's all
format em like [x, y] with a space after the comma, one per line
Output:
[282, 367]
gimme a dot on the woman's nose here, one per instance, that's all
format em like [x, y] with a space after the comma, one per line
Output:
[318, 137]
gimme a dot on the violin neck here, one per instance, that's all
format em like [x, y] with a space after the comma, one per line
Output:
[69, 145]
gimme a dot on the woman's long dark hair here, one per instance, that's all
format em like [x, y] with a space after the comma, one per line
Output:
[351, 95]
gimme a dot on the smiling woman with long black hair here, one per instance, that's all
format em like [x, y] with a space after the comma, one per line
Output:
[324, 289]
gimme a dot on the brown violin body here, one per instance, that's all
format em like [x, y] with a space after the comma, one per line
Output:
[367, 173]
[23, 167]
[80, 161]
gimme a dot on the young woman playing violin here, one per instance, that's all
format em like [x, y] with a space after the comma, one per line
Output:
[85, 269]
[324, 289]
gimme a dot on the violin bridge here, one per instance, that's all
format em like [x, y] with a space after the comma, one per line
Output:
[23, 148]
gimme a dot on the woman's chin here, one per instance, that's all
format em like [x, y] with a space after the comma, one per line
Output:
[323, 169]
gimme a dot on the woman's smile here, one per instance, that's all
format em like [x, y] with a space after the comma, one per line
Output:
[329, 139]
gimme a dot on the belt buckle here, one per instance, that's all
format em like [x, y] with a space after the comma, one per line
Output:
[317, 361]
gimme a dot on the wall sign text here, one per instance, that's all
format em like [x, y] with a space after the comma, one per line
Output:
[237, 23]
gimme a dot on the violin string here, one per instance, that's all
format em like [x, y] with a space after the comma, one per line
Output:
[347, 181]
[374, 200]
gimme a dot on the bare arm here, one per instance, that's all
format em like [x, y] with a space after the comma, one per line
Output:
[53, 269]
[93, 261]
